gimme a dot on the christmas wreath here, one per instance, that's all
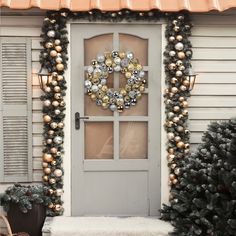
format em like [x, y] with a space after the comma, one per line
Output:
[97, 75]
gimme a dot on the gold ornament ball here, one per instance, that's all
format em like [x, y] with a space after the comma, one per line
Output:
[120, 108]
[141, 89]
[44, 164]
[104, 88]
[108, 62]
[93, 97]
[174, 90]
[51, 132]
[171, 150]
[105, 99]
[50, 191]
[180, 144]
[181, 99]
[57, 42]
[60, 125]
[47, 157]
[174, 80]
[183, 88]
[59, 192]
[187, 145]
[45, 178]
[172, 66]
[185, 112]
[179, 37]
[53, 150]
[54, 82]
[186, 83]
[173, 166]
[174, 181]
[122, 55]
[60, 77]
[53, 53]
[181, 55]
[123, 92]
[52, 181]
[172, 176]
[55, 103]
[58, 172]
[54, 162]
[169, 124]
[176, 108]
[54, 74]
[57, 96]
[47, 118]
[50, 205]
[47, 89]
[62, 103]
[128, 75]
[176, 119]
[58, 207]
[60, 67]
[177, 138]
[178, 73]
[170, 157]
[58, 48]
[185, 104]
[53, 125]
[48, 45]
[57, 89]
[47, 170]
[105, 105]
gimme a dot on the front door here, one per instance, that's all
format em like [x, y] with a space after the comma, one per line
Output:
[116, 156]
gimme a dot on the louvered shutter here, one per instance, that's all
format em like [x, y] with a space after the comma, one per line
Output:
[15, 110]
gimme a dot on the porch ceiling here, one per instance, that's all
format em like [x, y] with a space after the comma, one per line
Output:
[116, 5]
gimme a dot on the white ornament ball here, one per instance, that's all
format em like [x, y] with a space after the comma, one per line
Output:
[178, 73]
[172, 53]
[100, 58]
[179, 46]
[117, 60]
[94, 88]
[170, 136]
[103, 81]
[130, 55]
[117, 68]
[87, 83]
[47, 103]
[58, 60]
[58, 172]
[51, 33]
[58, 140]
[90, 69]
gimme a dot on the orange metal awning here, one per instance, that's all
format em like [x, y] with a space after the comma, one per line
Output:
[116, 5]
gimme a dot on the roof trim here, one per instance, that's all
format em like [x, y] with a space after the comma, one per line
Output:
[116, 5]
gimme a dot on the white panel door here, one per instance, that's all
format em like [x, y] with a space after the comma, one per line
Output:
[116, 156]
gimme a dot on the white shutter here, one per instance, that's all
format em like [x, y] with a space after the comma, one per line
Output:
[15, 110]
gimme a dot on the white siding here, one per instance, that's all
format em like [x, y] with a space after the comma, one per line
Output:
[29, 26]
[214, 60]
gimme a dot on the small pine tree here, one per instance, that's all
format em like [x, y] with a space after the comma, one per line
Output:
[204, 201]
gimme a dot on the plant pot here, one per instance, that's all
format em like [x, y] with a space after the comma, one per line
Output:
[30, 222]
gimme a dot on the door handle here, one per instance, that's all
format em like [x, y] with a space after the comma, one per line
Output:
[78, 118]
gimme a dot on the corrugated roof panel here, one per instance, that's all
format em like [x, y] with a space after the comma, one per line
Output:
[116, 5]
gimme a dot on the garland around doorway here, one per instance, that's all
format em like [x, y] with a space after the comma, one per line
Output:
[54, 57]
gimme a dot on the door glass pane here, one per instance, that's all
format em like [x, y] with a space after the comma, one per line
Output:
[135, 44]
[96, 45]
[98, 140]
[140, 109]
[133, 140]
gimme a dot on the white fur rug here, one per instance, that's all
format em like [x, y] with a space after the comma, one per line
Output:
[105, 226]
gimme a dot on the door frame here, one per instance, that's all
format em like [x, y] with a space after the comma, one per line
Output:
[67, 163]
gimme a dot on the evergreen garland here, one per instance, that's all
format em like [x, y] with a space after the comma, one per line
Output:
[54, 58]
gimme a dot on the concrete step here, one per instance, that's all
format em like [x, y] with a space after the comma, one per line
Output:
[105, 226]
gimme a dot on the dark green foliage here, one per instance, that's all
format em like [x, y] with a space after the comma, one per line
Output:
[24, 197]
[204, 201]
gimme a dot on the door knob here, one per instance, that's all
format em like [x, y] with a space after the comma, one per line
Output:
[78, 118]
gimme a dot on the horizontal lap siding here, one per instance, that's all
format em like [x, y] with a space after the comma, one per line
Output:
[214, 60]
[25, 26]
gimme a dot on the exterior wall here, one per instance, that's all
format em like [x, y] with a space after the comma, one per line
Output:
[213, 98]
[214, 60]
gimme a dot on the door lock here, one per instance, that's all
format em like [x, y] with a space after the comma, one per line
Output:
[78, 118]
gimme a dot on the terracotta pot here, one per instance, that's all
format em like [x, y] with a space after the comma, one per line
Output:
[30, 222]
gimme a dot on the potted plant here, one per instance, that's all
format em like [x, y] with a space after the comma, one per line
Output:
[26, 207]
